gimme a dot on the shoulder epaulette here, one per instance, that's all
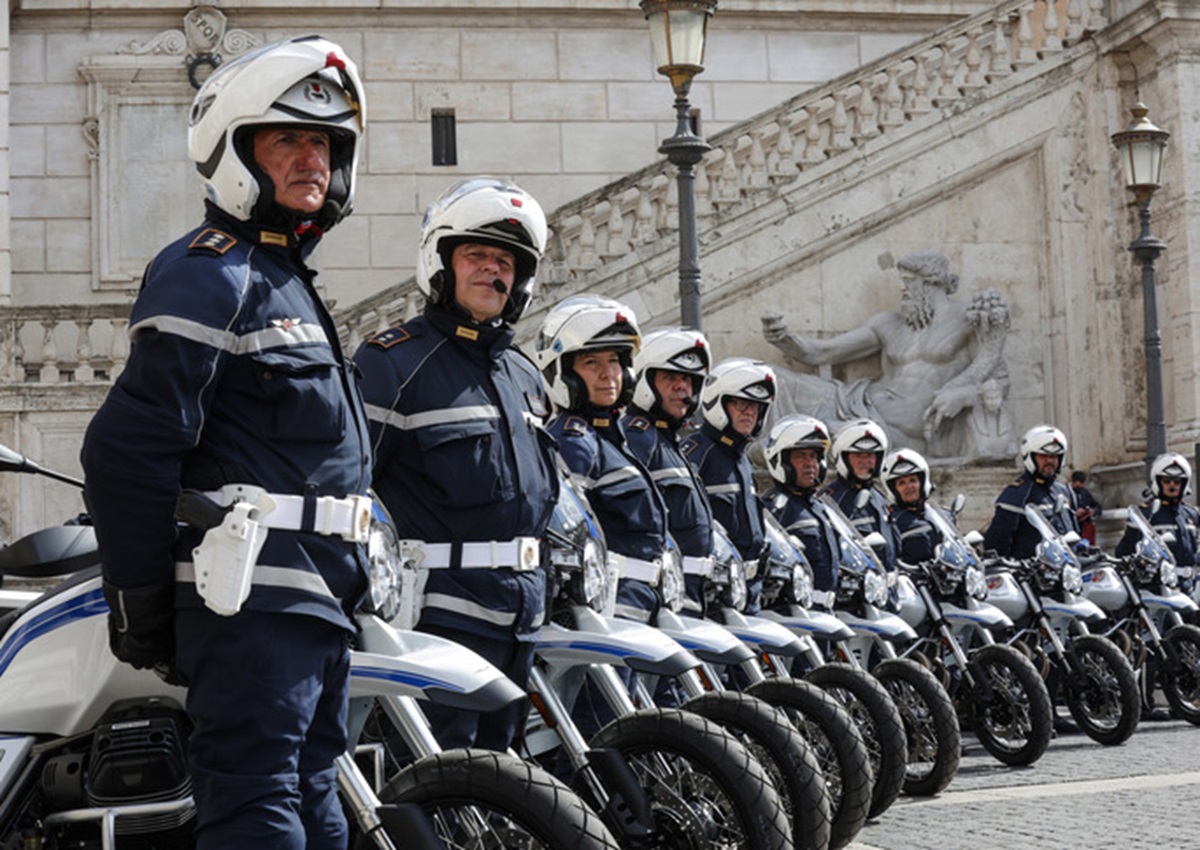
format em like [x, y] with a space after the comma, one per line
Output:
[575, 426]
[638, 423]
[392, 336]
[211, 241]
[688, 446]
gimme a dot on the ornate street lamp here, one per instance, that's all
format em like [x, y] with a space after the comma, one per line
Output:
[677, 31]
[1140, 147]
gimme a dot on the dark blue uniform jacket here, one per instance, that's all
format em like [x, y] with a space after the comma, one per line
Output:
[805, 517]
[1010, 534]
[461, 455]
[234, 375]
[1180, 519]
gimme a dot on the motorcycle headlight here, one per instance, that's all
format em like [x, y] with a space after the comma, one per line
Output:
[599, 581]
[1167, 574]
[802, 586]
[976, 583]
[672, 580]
[736, 593]
[1072, 579]
[384, 564]
[875, 588]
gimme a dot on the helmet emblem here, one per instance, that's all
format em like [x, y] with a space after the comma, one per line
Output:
[315, 92]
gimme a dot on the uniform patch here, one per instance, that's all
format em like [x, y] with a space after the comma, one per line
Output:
[638, 423]
[466, 333]
[386, 339]
[662, 424]
[602, 422]
[272, 237]
[211, 239]
[536, 406]
[576, 426]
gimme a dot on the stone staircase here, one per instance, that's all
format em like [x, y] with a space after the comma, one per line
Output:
[783, 163]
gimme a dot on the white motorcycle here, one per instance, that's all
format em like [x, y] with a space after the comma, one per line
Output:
[1042, 596]
[93, 752]
[943, 600]
[1147, 613]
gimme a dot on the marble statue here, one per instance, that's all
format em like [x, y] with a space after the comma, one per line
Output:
[935, 355]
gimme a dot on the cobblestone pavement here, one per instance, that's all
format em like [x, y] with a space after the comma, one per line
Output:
[1142, 794]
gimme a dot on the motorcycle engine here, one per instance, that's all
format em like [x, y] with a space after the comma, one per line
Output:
[137, 755]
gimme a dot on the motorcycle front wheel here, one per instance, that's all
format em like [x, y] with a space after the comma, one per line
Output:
[771, 738]
[837, 744]
[930, 724]
[1181, 677]
[1011, 713]
[484, 800]
[706, 791]
[878, 719]
[1102, 692]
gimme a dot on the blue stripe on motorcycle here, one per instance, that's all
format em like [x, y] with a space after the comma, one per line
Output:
[90, 604]
[404, 678]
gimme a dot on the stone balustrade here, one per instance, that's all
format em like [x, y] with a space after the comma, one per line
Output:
[61, 345]
[939, 75]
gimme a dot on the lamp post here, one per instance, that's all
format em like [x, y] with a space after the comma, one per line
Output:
[677, 31]
[1141, 146]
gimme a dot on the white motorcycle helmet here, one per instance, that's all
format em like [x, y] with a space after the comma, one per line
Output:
[1170, 465]
[901, 463]
[489, 211]
[585, 323]
[307, 82]
[1042, 440]
[737, 377]
[796, 432]
[680, 350]
[861, 435]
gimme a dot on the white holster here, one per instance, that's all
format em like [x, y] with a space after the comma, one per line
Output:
[226, 556]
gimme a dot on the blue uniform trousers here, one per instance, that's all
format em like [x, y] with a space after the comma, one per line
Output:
[268, 696]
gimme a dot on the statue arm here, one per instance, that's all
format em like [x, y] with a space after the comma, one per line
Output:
[851, 345]
[989, 319]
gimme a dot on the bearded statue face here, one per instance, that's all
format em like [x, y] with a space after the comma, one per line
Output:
[916, 304]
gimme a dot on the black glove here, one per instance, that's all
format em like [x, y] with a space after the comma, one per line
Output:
[141, 624]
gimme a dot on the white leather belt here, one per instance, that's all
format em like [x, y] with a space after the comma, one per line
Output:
[635, 568]
[522, 554]
[348, 517]
[825, 598]
[693, 566]
[891, 579]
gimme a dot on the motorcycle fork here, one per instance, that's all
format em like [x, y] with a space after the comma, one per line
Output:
[606, 780]
[973, 677]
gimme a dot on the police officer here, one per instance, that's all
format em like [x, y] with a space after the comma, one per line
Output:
[734, 401]
[461, 458]
[585, 350]
[858, 450]
[905, 477]
[796, 454]
[1042, 451]
[1170, 475]
[236, 392]
[670, 367]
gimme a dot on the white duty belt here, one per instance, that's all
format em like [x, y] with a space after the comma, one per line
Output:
[694, 566]
[348, 517]
[521, 554]
[636, 568]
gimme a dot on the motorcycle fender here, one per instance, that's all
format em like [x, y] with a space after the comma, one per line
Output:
[1170, 602]
[413, 664]
[815, 624]
[708, 641]
[978, 614]
[879, 624]
[606, 640]
[765, 635]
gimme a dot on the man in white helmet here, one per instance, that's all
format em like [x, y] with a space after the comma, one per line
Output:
[236, 394]
[461, 458]
[670, 368]
[1170, 478]
[734, 401]
[1043, 450]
